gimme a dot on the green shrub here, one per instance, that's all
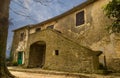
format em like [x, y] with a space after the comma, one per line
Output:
[15, 64]
[102, 67]
[103, 70]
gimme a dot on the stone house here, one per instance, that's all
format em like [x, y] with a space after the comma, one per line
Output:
[72, 41]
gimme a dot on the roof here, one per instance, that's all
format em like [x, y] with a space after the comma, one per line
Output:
[61, 15]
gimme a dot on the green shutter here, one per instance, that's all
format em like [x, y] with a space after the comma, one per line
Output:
[20, 56]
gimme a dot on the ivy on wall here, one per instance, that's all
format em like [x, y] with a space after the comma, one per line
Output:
[112, 11]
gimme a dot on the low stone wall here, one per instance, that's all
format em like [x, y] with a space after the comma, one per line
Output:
[114, 65]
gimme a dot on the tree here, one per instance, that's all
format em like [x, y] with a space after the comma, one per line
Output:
[4, 13]
[4, 23]
[112, 11]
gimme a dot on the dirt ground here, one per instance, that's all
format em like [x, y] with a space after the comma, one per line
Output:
[37, 75]
[40, 73]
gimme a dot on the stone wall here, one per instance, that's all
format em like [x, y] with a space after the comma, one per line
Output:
[71, 56]
[92, 33]
[19, 45]
[114, 65]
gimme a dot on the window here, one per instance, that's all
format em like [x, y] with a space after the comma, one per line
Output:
[37, 29]
[50, 27]
[80, 18]
[57, 52]
[21, 36]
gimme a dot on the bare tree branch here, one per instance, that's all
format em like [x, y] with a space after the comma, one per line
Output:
[25, 9]
[20, 4]
[43, 2]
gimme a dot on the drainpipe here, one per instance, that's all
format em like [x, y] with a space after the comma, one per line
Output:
[105, 62]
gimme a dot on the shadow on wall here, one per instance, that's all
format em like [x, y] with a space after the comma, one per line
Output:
[37, 54]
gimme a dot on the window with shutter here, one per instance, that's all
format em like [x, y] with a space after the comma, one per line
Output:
[21, 36]
[37, 29]
[80, 18]
[50, 27]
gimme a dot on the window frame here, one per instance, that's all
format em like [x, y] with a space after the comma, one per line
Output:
[49, 27]
[22, 34]
[37, 29]
[76, 18]
[57, 52]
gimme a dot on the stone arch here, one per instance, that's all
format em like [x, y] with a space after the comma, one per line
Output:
[37, 54]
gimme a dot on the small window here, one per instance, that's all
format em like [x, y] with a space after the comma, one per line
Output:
[37, 29]
[50, 27]
[57, 52]
[80, 18]
[21, 36]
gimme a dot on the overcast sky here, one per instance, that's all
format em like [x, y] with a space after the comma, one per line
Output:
[25, 12]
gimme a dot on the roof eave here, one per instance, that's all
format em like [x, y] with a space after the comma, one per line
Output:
[61, 15]
[27, 26]
[66, 13]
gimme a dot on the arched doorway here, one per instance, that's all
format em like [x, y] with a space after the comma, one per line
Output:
[37, 54]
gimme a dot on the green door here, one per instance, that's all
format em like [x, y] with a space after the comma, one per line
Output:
[20, 56]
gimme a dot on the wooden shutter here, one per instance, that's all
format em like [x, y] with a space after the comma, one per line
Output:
[80, 18]
[50, 27]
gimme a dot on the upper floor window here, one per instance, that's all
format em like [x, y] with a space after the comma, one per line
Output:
[22, 36]
[37, 29]
[50, 27]
[80, 18]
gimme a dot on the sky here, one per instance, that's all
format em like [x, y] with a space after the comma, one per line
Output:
[26, 12]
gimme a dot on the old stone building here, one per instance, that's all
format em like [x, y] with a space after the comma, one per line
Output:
[72, 41]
